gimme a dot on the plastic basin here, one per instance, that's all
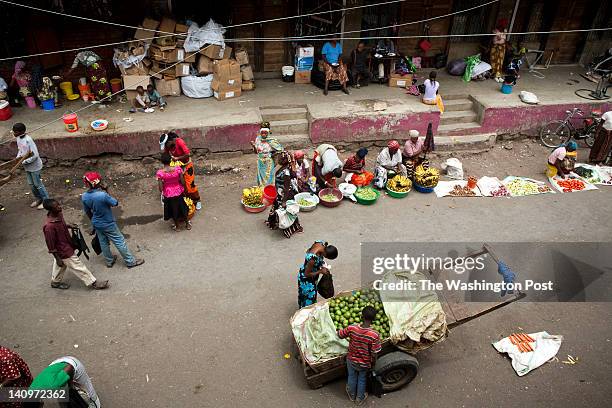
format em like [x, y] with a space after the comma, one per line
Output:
[333, 191]
[396, 194]
[306, 196]
[364, 201]
[253, 210]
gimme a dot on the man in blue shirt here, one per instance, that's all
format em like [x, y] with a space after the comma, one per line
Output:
[335, 70]
[97, 204]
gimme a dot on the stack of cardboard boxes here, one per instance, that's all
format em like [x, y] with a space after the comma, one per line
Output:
[248, 79]
[227, 78]
[304, 61]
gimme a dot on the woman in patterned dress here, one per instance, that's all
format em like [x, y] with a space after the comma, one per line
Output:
[313, 266]
[96, 74]
[266, 148]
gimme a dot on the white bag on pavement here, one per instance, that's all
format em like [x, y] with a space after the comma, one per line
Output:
[453, 168]
[544, 348]
[197, 87]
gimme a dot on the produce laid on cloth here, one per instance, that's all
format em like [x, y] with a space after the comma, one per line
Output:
[426, 177]
[346, 310]
[492, 187]
[589, 173]
[522, 186]
[252, 197]
[571, 184]
[399, 184]
[605, 172]
[529, 351]
[456, 188]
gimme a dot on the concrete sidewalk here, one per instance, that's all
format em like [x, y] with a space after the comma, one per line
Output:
[301, 116]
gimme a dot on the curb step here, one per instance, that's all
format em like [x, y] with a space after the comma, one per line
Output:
[458, 105]
[276, 114]
[288, 127]
[444, 130]
[467, 116]
[294, 140]
[465, 142]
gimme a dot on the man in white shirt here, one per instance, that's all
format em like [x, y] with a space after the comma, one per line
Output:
[32, 165]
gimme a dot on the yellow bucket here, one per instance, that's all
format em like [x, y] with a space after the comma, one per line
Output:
[66, 87]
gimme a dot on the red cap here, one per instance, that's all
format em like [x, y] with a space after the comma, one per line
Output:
[92, 178]
[393, 145]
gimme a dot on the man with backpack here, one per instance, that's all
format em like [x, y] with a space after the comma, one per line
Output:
[61, 246]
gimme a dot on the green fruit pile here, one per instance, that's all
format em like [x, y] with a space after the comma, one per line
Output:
[346, 310]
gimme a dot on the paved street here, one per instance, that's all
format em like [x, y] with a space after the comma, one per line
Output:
[204, 322]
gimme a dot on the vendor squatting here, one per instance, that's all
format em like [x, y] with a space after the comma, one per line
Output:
[472, 286]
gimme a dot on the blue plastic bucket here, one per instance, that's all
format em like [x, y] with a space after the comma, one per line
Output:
[506, 88]
[48, 105]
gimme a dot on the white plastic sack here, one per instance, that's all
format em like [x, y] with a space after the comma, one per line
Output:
[210, 33]
[480, 68]
[544, 348]
[528, 97]
[130, 60]
[197, 87]
[453, 168]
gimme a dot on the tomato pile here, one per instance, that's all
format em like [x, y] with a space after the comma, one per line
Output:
[570, 185]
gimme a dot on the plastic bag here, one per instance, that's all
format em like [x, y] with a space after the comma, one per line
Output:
[470, 62]
[456, 67]
[210, 33]
[197, 87]
[528, 97]
[480, 69]
[544, 348]
[453, 168]
[362, 179]
[325, 286]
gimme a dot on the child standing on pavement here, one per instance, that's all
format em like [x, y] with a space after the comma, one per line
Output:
[32, 165]
[364, 343]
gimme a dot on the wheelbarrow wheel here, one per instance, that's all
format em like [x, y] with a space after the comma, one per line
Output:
[396, 370]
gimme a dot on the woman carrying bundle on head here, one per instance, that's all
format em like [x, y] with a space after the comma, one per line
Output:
[172, 144]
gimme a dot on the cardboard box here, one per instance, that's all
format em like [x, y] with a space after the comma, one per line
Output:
[181, 28]
[139, 50]
[181, 70]
[131, 82]
[131, 95]
[247, 85]
[149, 24]
[227, 69]
[161, 53]
[138, 69]
[205, 65]
[167, 26]
[147, 62]
[302, 77]
[242, 57]
[221, 96]
[247, 73]
[304, 64]
[170, 87]
[216, 52]
[303, 52]
[399, 81]
[224, 85]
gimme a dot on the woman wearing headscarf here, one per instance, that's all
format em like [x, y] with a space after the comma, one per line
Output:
[283, 213]
[96, 73]
[412, 153]
[266, 148]
[313, 266]
[21, 78]
[561, 160]
[171, 184]
[498, 49]
[179, 152]
[389, 159]
[356, 163]
[326, 166]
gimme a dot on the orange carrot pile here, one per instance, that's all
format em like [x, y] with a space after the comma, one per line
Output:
[521, 341]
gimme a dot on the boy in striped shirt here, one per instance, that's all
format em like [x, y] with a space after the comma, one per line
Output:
[364, 343]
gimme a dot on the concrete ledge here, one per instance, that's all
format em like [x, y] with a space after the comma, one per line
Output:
[468, 142]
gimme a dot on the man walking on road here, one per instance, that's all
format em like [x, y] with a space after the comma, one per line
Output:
[32, 165]
[97, 204]
[62, 248]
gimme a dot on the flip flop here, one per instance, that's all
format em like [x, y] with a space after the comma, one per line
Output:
[59, 285]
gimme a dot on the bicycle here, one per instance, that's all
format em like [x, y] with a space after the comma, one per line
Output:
[557, 132]
[598, 71]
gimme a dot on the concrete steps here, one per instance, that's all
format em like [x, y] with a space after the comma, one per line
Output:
[275, 114]
[299, 141]
[477, 142]
[289, 127]
[466, 116]
[458, 105]
[454, 127]
[453, 97]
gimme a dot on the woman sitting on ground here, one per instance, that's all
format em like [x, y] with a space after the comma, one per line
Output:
[356, 163]
[412, 153]
[560, 161]
[313, 266]
[431, 95]
[302, 171]
[171, 184]
[283, 213]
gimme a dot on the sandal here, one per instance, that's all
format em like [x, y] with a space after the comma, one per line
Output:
[188, 225]
[100, 286]
[173, 227]
[59, 285]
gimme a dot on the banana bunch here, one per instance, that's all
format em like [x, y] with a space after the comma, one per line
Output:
[253, 197]
[399, 184]
[426, 177]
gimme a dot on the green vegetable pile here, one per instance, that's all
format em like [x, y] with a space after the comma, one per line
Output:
[366, 193]
[346, 310]
[305, 203]
[330, 197]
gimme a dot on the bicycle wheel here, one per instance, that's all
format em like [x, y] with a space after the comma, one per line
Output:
[590, 95]
[554, 133]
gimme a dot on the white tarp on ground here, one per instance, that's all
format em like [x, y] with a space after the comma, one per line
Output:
[197, 87]
[210, 33]
[545, 347]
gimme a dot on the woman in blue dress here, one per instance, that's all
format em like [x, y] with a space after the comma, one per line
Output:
[312, 267]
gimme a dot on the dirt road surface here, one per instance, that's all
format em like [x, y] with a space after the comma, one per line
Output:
[204, 322]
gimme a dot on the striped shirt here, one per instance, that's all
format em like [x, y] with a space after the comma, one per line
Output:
[363, 342]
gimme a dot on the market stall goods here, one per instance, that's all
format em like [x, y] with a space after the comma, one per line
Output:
[459, 191]
[426, 177]
[330, 197]
[456, 188]
[521, 186]
[346, 310]
[501, 191]
[399, 184]
[252, 197]
[571, 184]
[366, 195]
